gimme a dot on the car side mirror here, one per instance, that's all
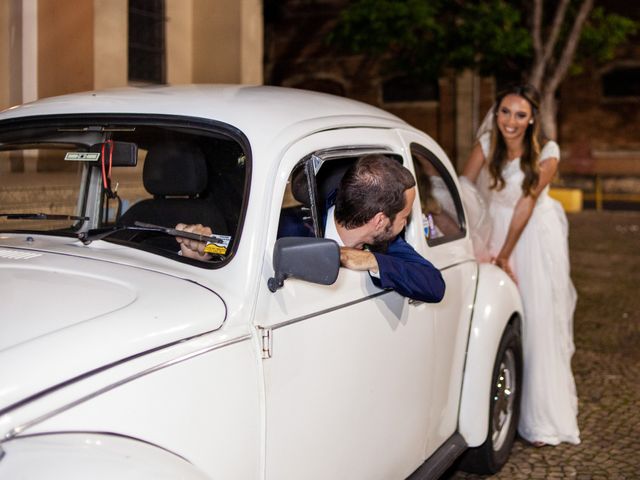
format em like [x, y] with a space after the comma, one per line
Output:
[315, 260]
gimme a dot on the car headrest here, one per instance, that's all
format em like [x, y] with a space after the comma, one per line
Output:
[327, 182]
[175, 169]
[299, 186]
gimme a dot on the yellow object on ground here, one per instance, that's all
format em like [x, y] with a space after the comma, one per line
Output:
[570, 198]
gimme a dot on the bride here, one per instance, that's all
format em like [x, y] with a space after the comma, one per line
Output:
[528, 240]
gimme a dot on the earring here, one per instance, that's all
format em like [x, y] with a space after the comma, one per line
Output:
[531, 122]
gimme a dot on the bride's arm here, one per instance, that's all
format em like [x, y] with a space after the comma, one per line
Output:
[474, 164]
[522, 212]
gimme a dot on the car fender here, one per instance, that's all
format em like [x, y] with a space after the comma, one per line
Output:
[497, 302]
[75, 456]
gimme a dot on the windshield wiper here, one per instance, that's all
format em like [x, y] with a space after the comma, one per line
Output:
[100, 233]
[40, 216]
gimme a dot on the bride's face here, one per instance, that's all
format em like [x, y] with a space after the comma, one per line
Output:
[513, 117]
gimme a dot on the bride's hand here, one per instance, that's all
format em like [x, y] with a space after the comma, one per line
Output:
[503, 263]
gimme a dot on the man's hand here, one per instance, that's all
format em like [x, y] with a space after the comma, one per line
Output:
[355, 259]
[193, 248]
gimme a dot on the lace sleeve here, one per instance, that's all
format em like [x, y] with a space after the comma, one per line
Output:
[550, 150]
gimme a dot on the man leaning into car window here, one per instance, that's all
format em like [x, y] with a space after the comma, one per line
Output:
[372, 206]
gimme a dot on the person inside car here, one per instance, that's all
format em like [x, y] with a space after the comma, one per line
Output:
[372, 206]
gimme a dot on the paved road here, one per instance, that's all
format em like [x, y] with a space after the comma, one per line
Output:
[605, 258]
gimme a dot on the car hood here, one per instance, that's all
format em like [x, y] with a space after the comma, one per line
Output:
[62, 316]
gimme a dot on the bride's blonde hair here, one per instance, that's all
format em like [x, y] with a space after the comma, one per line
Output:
[531, 143]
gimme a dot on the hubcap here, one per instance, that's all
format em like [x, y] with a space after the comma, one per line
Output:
[503, 399]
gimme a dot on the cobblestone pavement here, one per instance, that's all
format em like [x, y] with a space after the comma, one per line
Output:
[605, 259]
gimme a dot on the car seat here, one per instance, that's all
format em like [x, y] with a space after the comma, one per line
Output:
[175, 173]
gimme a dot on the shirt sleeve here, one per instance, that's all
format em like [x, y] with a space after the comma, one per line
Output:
[550, 150]
[404, 270]
[374, 274]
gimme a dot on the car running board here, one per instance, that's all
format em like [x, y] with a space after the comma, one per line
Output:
[442, 459]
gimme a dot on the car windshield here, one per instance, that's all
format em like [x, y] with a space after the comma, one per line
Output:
[124, 180]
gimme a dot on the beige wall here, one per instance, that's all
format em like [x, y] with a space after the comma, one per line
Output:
[214, 41]
[252, 41]
[52, 47]
[216, 37]
[227, 41]
[110, 43]
[65, 46]
[179, 41]
[5, 67]
[11, 52]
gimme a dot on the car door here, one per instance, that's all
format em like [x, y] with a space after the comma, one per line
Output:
[446, 243]
[348, 375]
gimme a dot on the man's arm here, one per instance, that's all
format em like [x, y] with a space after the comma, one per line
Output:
[404, 270]
[361, 260]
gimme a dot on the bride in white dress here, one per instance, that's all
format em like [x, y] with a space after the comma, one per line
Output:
[528, 240]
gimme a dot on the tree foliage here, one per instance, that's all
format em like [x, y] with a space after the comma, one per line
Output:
[422, 38]
[601, 36]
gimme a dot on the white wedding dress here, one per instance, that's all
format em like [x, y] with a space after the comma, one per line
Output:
[540, 262]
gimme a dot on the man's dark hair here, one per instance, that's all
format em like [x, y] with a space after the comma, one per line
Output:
[375, 183]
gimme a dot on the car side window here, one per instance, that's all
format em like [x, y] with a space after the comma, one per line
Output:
[318, 178]
[442, 216]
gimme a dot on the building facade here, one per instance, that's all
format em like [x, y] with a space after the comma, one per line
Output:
[53, 47]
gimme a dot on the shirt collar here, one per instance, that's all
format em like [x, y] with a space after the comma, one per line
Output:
[330, 230]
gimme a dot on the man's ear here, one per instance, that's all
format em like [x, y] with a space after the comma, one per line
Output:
[379, 221]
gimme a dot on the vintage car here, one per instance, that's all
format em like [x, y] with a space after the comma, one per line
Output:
[121, 358]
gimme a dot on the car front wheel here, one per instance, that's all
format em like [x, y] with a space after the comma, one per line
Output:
[504, 407]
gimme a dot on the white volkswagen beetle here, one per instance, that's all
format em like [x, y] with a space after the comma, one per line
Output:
[121, 358]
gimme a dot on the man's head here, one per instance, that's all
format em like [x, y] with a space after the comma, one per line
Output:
[376, 191]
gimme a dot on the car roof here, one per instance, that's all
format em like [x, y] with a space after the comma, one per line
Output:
[261, 112]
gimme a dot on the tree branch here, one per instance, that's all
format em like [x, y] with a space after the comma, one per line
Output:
[570, 46]
[543, 54]
[558, 20]
[537, 26]
[537, 69]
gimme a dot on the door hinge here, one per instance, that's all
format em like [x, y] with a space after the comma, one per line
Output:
[267, 344]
